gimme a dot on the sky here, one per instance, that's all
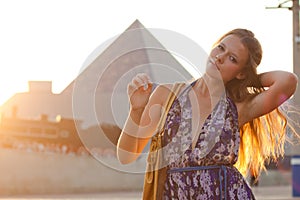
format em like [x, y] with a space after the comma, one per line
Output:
[51, 40]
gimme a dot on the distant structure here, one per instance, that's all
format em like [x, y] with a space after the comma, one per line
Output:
[96, 100]
[40, 135]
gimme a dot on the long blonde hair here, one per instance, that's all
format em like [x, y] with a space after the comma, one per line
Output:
[263, 138]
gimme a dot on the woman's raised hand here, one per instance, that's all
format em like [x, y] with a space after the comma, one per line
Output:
[139, 91]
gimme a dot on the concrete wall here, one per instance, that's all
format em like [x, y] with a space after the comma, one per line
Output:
[40, 173]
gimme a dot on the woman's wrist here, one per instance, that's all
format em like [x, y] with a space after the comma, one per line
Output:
[136, 114]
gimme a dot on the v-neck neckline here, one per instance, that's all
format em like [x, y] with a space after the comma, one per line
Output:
[197, 137]
[208, 117]
[186, 92]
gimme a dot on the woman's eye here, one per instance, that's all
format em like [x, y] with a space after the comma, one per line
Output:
[232, 59]
[220, 47]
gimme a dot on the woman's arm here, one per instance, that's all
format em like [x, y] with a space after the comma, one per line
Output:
[280, 86]
[139, 128]
[141, 123]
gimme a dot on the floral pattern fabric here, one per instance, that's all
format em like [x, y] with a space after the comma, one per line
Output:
[217, 145]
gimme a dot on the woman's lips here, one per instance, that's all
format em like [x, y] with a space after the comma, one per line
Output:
[214, 63]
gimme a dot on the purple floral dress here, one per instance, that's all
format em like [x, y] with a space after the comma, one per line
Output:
[206, 171]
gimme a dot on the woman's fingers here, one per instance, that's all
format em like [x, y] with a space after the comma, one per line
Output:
[137, 81]
[139, 91]
[143, 80]
[140, 80]
[131, 88]
[146, 81]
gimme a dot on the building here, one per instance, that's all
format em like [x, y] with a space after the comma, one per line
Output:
[96, 100]
[40, 135]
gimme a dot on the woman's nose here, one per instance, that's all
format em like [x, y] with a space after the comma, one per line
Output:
[219, 58]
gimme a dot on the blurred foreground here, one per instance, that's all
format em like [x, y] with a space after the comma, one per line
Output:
[261, 193]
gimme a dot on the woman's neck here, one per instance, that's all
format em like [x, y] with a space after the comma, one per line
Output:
[207, 86]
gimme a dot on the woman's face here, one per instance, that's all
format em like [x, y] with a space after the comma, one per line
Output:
[227, 58]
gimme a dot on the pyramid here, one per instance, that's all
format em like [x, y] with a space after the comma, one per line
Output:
[99, 92]
[97, 99]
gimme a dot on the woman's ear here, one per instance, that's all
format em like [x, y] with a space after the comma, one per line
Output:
[241, 76]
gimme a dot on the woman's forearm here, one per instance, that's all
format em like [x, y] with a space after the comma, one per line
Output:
[127, 148]
[283, 84]
[282, 78]
[141, 123]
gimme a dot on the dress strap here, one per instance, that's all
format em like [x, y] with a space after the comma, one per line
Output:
[189, 86]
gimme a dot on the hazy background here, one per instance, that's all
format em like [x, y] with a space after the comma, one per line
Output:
[50, 40]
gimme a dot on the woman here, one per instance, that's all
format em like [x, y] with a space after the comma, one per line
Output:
[214, 134]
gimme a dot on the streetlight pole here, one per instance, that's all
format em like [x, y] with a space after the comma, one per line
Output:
[295, 150]
[296, 41]
[296, 46]
[296, 62]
